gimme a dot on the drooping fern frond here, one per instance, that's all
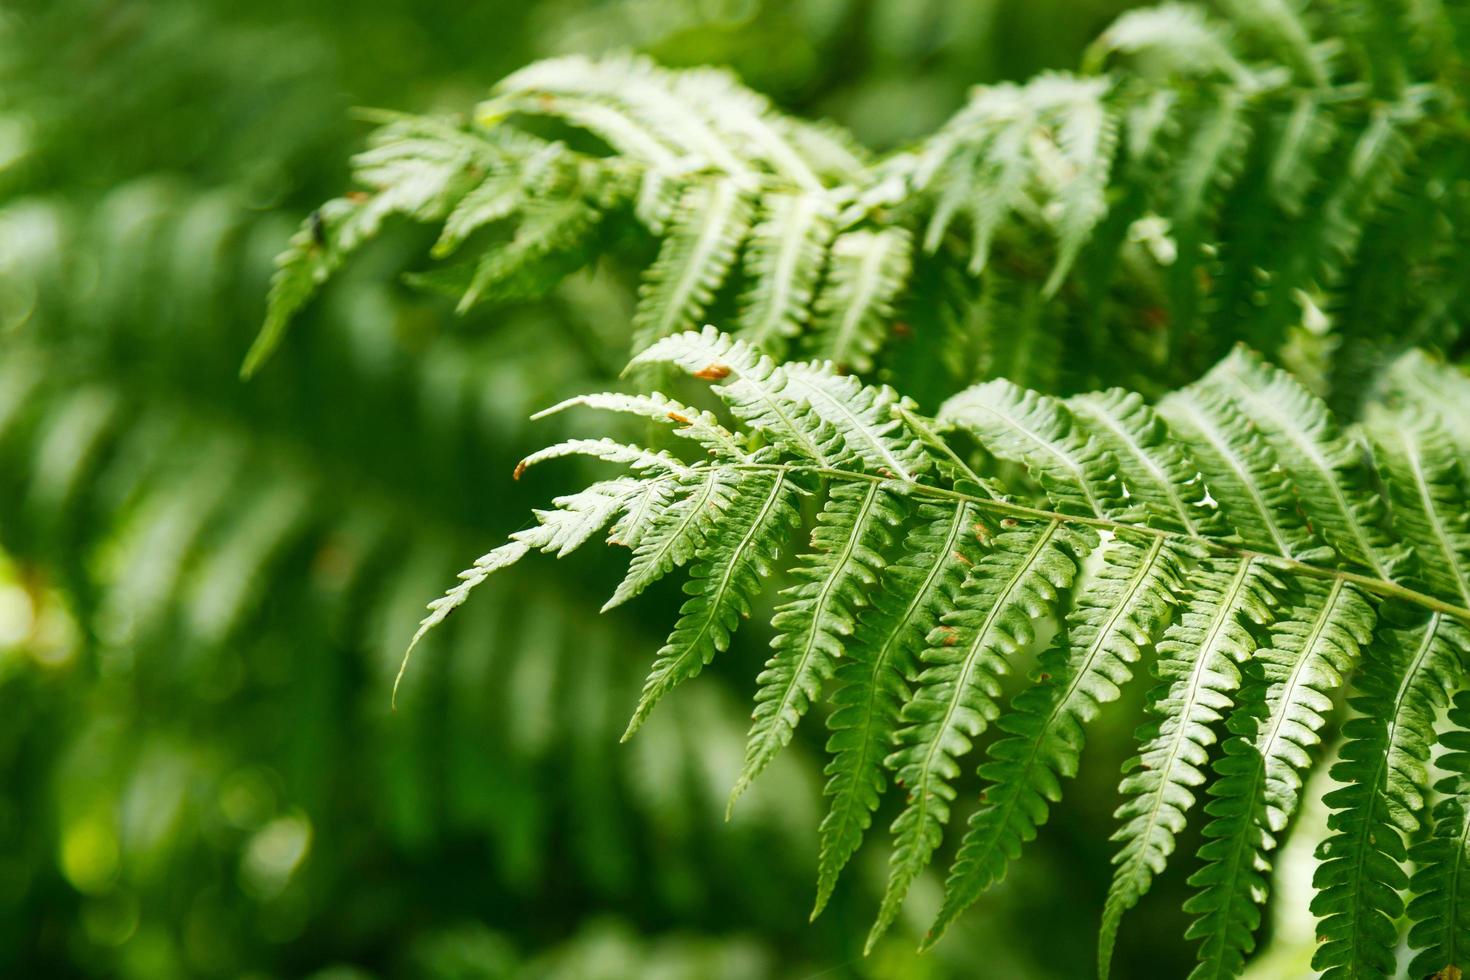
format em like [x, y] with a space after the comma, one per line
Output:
[1238, 532]
[697, 160]
[1440, 909]
[1282, 705]
[1146, 181]
[1199, 658]
[1107, 629]
[956, 695]
[1383, 770]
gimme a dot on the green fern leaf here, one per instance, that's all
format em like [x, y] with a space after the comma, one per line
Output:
[1086, 136]
[754, 388]
[721, 584]
[1360, 875]
[711, 222]
[1197, 664]
[1075, 470]
[691, 423]
[869, 418]
[783, 263]
[871, 687]
[1115, 616]
[675, 533]
[1166, 493]
[1241, 471]
[1327, 468]
[1427, 487]
[1159, 477]
[867, 271]
[1259, 776]
[852, 531]
[1435, 390]
[954, 698]
[1440, 910]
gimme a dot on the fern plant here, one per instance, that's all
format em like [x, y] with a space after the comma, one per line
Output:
[1207, 173]
[998, 571]
[1237, 528]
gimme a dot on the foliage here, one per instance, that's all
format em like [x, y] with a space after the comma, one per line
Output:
[1199, 181]
[1240, 499]
[210, 581]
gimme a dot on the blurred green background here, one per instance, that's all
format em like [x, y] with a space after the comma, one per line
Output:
[207, 585]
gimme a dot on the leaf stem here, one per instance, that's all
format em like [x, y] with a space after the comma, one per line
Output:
[1377, 586]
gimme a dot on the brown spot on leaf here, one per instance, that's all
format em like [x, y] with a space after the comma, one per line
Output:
[713, 372]
[520, 468]
[682, 420]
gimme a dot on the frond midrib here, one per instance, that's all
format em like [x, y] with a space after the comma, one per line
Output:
[1377, 586]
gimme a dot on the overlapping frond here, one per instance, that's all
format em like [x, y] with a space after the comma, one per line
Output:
[1238, 532]
[1383, 770]
[1283, 701]
[1115, 617]
[1198, 665]
[956, 695]
[1205, 169]
[1440, 909]
[722, 584]
[866, 272]
[853, 530]
[873, 685]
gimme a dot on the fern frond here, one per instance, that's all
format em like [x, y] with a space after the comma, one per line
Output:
[690, 423]
[1158, 476]
[1306, 131]
[866, 272]
[853, 530]
[1170, 38]
[1086, 136]
[1198, 665]
[1328, 468]
[872, 686]
[783, 264]
[754, 388]
[711, 222]
[635, 457]
[1114, 618]
[1383, 772]
[674, 533]
[1242, 472]
[1282, 705]
[871, 419]
[995, 161]
[1228, 128]
[1440, 910]
[980, 575]
[721, 584]
[1436, 390]
[1279, 24]
[1427, 486]
[954, 698]
[1075, 470]
[627, 101]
